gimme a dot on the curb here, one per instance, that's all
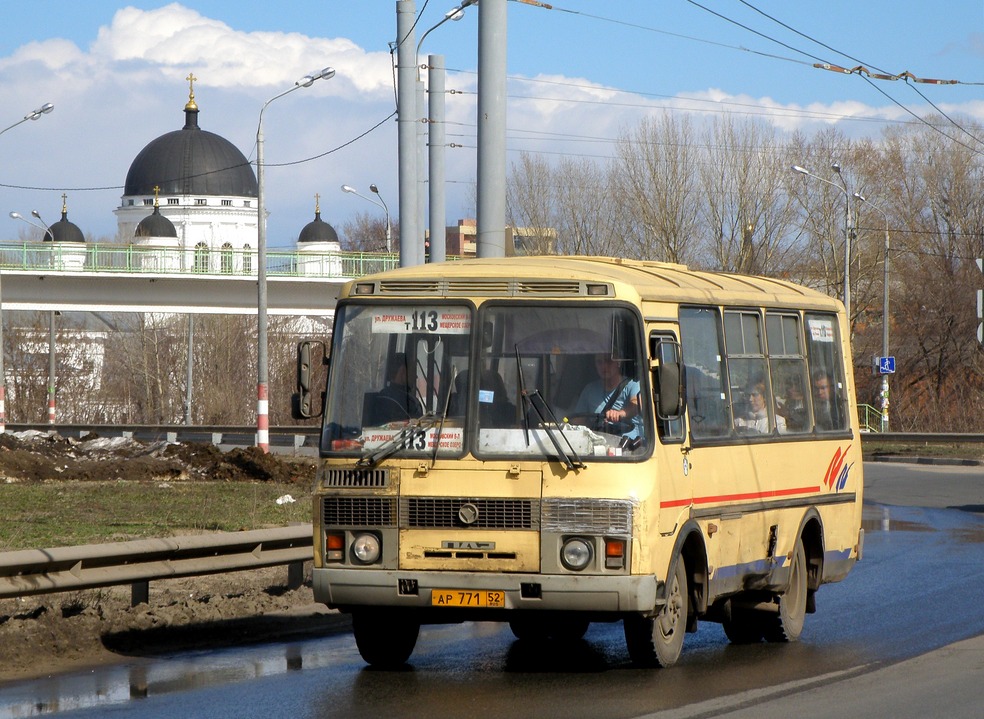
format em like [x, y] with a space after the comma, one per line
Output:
[941, 461]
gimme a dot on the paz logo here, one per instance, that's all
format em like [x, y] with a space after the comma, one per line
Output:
[837, 471]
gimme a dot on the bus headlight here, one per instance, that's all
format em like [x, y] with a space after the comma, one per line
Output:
[576, 554]
[365, 548]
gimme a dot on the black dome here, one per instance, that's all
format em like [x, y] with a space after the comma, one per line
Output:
[191, 161]
[155, 225]
[64, 231]
[317, 230]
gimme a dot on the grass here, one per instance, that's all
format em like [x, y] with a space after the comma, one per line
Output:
[58, 514]
[924, 449]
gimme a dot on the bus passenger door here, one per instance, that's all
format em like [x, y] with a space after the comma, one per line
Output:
[675, 490]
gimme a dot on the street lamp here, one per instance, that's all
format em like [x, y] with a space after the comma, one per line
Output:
[33, 115]
[888, 244]
[847, 229]
[379, 203]
[262, 382]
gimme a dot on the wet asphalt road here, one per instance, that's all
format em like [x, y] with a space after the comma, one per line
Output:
[919, 588]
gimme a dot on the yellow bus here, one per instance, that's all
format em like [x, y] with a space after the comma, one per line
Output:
[556, 441]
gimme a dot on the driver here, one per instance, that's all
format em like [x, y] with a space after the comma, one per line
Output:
[613, 399]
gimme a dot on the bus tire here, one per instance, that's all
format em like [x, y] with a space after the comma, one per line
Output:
[787, 624]
[743, 626]
[385, 639]
[658, 641]
[528, 629]
[540, 628]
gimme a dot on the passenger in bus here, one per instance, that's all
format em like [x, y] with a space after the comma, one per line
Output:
[793, 406]
[397, 401]
[825, 408]
[757, 417]
[612, 402]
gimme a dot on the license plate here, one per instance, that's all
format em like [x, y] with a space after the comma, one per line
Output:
[467, 598]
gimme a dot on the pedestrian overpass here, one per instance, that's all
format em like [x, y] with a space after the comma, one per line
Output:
[71, 277]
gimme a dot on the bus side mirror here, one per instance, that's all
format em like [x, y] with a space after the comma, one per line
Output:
[670, 388]
[301, 401]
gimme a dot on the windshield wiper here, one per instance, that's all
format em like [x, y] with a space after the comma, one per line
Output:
[405, 438]
[548, 421]
[444, 415]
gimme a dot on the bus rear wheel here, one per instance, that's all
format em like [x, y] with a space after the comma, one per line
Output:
[658, 641]
[787, 624]
[385, 639]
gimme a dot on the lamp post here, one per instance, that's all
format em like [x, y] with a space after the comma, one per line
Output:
[51, 317]
[262, 382]
[847, 229]
[434, 174]
[884, 375]
[33, 115]
[378, 203]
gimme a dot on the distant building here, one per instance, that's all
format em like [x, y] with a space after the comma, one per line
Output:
[205, 187]
[462, 238]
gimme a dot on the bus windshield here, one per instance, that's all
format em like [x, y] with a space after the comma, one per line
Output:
[392, 370]
[556, 382]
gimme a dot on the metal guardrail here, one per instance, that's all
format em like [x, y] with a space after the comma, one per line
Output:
[43, 571]
[234, 435]
[922, 437]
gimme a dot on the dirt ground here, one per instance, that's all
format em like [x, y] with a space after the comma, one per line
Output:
[49, 634]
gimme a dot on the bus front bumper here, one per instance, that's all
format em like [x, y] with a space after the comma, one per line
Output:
[349, 588]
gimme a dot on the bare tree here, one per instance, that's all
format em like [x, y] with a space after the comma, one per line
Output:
[658, 179]
[746, 205]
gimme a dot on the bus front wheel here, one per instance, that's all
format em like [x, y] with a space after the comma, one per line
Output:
[658, 641]
[385, 639]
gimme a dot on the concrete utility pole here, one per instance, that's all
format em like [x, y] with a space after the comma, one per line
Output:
[436, 140]
[411, 246]
[491, 220]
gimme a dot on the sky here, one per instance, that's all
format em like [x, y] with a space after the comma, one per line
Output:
[580, 73]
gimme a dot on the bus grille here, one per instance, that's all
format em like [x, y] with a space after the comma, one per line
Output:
[358, 512]
[442, 512]
[592, 516]
[356, 478]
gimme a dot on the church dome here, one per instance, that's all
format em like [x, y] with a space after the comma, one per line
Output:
[64, 230]
[317, 230]
[191, 161]
[155, 225]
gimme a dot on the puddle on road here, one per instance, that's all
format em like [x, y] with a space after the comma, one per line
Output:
[107, 687]
[879, 519]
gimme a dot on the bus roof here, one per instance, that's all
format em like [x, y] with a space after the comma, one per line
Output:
[552, 276]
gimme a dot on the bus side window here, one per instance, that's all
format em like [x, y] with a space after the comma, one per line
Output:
[826, 373]
[700, 337]
[787, 361]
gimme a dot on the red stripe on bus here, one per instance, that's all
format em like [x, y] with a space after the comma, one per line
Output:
[739, 497]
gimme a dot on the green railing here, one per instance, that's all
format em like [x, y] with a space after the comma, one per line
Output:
[870, 418]
[114, 258]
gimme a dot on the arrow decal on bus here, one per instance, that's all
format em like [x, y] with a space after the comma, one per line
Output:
[837, 471]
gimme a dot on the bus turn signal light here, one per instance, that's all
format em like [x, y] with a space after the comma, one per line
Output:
[614, 554]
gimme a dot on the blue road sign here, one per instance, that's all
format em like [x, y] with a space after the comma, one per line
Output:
[886, 365]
